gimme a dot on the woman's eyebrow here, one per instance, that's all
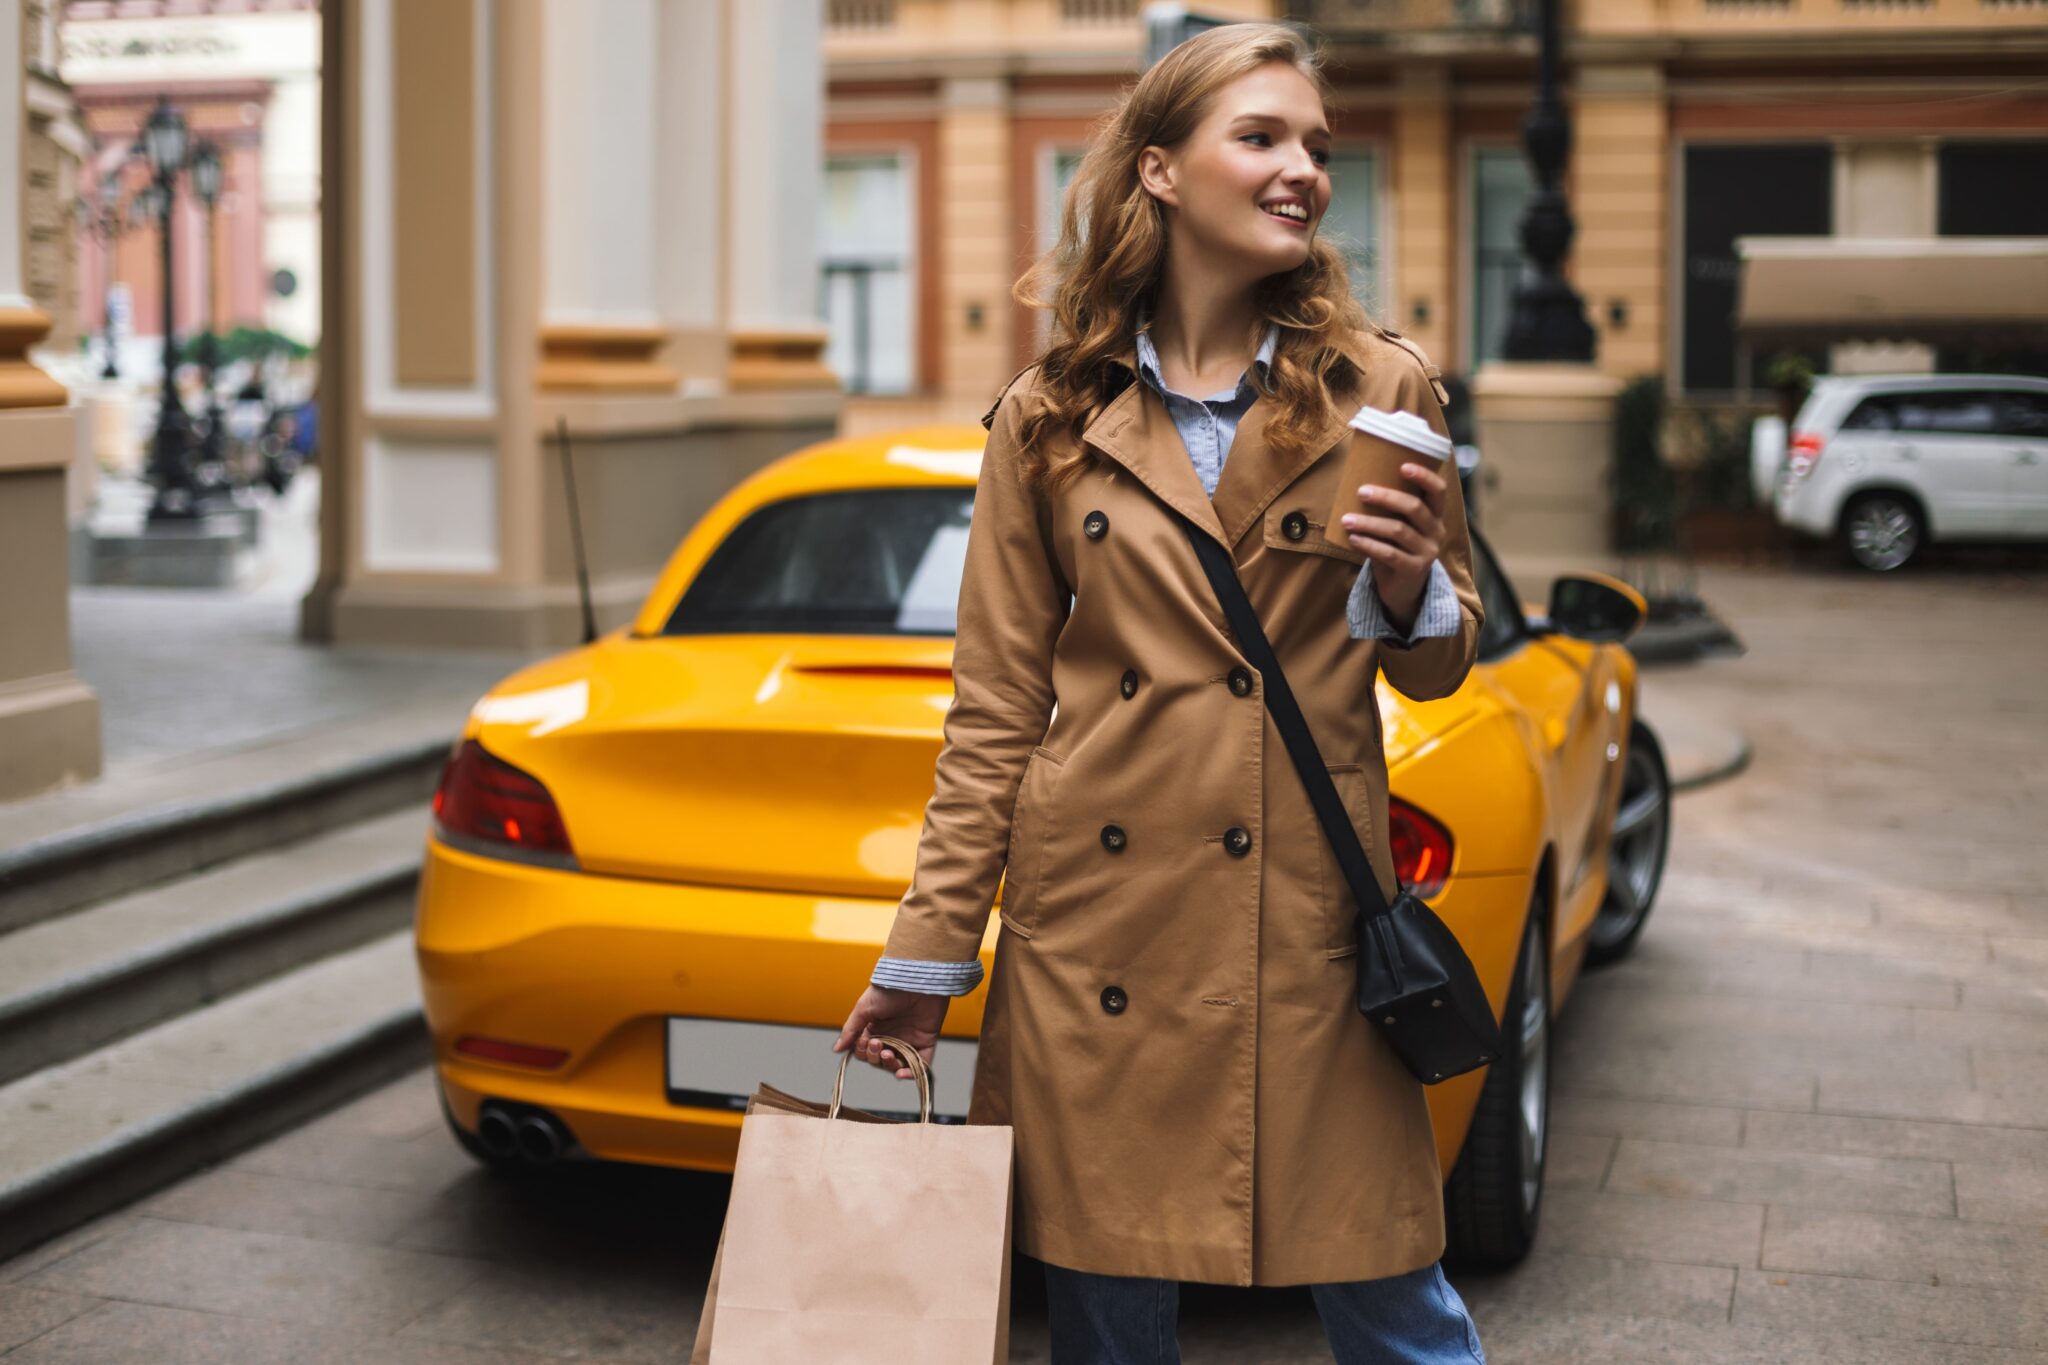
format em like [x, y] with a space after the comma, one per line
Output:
[1318, 131]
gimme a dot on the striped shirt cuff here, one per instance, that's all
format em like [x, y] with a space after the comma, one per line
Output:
[927, 978]
[1368, 615]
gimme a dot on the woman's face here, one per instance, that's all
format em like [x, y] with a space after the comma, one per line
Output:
[1252, 181]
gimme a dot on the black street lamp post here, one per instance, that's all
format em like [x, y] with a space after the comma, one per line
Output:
[1548, 321]
[206, 173]
[164, 143]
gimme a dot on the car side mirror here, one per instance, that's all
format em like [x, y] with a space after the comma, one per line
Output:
[1593, 606]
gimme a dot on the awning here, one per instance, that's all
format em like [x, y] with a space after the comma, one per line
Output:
[1892, 288]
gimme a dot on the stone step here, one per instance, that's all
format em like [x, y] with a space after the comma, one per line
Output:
[71, 849]
[91, 1134]
[79, 981]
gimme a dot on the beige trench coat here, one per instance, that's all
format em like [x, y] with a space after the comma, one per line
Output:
[1170, 1023]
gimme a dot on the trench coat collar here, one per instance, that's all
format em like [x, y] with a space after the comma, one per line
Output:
[1136, 431]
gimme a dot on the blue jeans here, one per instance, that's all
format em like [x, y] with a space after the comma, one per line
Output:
[1412, 1319]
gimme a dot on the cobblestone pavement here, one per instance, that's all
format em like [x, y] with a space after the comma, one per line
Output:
[1806, 1122]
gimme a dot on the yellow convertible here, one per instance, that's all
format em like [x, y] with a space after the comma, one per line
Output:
[662, 865]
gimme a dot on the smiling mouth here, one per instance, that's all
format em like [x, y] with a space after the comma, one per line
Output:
[1287, 213]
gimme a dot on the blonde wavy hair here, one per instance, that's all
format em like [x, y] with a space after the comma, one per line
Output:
[1105, 268]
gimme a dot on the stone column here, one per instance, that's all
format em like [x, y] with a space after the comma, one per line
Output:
[1546, 435]
[1620, 177]
[49, 719]
[774, 136]
[1425, 219]
[567, 211]
[977, 237]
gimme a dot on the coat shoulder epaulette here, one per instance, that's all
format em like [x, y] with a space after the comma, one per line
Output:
[1443, 395]
[988, 419]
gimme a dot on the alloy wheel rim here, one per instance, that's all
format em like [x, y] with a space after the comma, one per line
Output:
[1882, 534]
[1641, 821]
[1535, 1045]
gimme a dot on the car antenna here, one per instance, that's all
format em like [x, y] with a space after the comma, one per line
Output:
[576, 533]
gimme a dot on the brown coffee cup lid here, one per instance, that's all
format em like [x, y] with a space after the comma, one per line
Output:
[1403, 428]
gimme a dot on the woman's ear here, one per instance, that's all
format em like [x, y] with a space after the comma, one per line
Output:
[1156, 174]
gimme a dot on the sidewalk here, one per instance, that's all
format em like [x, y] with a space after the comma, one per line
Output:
[182, 672]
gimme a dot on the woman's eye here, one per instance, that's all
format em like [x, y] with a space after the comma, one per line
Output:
[1267, 136]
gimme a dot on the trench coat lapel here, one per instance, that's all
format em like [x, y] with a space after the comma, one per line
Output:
[1254, 473]
[1136, 431]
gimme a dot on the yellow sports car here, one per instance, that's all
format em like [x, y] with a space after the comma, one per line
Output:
[662, 865]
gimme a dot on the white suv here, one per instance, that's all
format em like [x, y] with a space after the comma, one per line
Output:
[1887, 463]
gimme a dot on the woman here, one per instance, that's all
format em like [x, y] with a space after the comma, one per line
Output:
[1170, 1025]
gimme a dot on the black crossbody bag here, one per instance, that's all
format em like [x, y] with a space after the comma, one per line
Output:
[1415, 983]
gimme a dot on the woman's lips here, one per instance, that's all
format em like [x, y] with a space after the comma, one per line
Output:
[1301, 223]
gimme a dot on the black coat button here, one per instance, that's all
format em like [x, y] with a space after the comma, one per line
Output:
[1113, 838]
[1237, 841]
[1095, 526]
[1114, 1000]
[1241, 682]
[1129, 686]
[1294, 526]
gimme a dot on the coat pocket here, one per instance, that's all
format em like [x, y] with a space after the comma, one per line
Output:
[1030, 826]
[1340, 907]
[1296, 524]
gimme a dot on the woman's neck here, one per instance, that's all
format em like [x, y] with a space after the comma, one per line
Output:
[1202, 335]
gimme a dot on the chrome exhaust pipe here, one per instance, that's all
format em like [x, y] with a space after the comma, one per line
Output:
[539, 1140]
[496, 1131]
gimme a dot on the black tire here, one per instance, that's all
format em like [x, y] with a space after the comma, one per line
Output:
[1636, 852]
[1881, 531]
[1494, 1196]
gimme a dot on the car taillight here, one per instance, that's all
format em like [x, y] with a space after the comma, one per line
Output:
[486, 805]
[1803, 453]
[1422, 849]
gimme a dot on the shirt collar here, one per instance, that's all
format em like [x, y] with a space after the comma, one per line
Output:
[1148, 356]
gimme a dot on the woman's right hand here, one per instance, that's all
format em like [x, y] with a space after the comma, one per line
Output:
[909, 1015]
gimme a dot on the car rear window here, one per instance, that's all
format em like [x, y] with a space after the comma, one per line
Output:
[872, 561]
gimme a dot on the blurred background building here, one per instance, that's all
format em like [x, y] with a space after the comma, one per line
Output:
[952, 126]
[700, 233]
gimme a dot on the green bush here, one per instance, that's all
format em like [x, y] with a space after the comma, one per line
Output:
[1645, 494]
[1721, 478]
[253, 343]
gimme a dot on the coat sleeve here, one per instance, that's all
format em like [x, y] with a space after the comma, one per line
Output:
[1014, 600]
[1436, 666]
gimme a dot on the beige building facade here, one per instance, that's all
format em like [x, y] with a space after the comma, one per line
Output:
[49, 718]
[952, 126]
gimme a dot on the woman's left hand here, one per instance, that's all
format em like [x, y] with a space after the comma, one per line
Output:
[1402, 533]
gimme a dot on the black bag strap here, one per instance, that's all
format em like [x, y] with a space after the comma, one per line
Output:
[1301, 746]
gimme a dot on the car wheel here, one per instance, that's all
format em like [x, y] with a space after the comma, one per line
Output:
[1635, 853]
[1495, 1192]
[1881, 531]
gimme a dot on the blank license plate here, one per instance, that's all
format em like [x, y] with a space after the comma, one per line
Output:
[716, 1063]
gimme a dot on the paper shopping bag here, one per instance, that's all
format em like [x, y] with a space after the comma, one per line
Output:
[855, 1239]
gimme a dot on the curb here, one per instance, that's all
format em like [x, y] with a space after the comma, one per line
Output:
[60, 872]
[125, 1167]
[1727, 768]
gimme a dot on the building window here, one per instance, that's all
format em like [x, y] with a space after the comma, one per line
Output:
[1353, 221]
[867, 289]
[1992, 189]
[1501, 186]
[1781, 189]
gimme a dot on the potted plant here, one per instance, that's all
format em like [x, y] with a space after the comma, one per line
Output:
[1789, 375]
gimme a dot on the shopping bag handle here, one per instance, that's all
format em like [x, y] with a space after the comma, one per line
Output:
[918, 1072]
